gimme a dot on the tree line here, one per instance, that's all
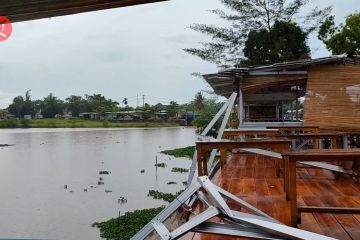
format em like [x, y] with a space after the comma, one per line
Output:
[50, 106]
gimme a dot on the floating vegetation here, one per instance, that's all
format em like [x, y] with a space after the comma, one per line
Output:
[180, 170]
[122, 200]
[167, 197]
[104, 172]
[126, 226]
[160, 165]
[187, 152]
[171, 182]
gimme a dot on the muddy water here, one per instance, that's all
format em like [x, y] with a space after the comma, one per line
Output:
[33, 173]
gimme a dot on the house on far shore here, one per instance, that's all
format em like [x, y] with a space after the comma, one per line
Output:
[89, 115]
[330, 87]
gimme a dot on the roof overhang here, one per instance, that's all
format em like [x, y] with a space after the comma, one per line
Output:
[20, 10]
[228, 81]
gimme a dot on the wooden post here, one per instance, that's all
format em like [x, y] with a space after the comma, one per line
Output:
[241, 108]
[222, 157]
[286, 176]
[292, 193]
[200, 161]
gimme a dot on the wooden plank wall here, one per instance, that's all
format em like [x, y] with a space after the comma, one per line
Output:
[333, 97]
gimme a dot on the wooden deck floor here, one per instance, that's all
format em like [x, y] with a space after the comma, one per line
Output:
[252, 177]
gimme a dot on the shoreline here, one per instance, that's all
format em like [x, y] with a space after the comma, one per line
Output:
[79, 123]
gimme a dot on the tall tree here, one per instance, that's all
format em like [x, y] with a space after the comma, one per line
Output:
[199, 101]
[285, 41]
[51, 106]
[342, 39]
[76, 105]
[22, 105]
[225, 48]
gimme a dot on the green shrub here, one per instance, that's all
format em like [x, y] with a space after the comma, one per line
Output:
[25, 123]
[9, 123]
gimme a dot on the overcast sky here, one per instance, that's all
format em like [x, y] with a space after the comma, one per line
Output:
[118, 53]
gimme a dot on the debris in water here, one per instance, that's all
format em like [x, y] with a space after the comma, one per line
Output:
[100, 183]
[104, 172]
[65, 186]
[108, 191]
[171, 182]
[122, 200]
[142, 171]
[85, 190]
[160, 165]
[71, 191]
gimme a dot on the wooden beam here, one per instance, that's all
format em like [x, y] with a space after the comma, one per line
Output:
[284, 96]
[20, 10]
[332, 210]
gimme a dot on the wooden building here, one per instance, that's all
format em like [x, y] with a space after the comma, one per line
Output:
[330, 88]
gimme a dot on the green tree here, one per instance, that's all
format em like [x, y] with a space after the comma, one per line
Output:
[342, 39]
[76, 105]
[173, 108]
[51, 106]
[285, 41]
[99, 104]
[22, 105]
[226, 45]
[199, 101]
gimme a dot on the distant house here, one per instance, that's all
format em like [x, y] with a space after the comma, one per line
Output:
[89, 115]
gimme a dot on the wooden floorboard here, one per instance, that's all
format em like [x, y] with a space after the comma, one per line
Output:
[253, 178]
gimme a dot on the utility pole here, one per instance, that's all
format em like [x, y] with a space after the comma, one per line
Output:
[143, 100]
[137, 100]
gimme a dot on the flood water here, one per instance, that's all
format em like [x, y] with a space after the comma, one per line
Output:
[33, 173]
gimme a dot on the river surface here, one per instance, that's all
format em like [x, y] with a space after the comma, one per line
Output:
[34, 172]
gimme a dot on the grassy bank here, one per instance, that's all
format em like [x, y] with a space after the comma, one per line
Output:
[78, 123]
[181, 152]
[126, 226]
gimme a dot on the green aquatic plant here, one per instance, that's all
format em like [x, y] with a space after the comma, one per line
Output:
[124, 227]
[187, 152]
[167, 197]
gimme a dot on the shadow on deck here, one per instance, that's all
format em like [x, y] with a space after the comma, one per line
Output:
[252, 178]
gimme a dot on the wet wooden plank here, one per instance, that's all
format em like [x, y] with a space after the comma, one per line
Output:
[327, 222]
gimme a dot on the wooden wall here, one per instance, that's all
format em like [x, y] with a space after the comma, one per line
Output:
[333, 97]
